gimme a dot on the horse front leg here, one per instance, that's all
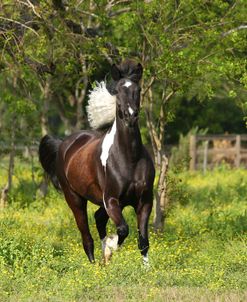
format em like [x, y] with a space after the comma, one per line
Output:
[114, 211]
[109, 243]
[143, 212]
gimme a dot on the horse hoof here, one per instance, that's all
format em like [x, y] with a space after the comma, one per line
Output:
[109, 244]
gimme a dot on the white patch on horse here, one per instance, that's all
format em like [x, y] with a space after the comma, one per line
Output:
[103, 244]
[101, 108]
[131, 111]
[107, 143]
[127, 84]
[109, 244]
[104, 200]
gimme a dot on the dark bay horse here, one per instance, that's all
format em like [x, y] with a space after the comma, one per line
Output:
[111, 169]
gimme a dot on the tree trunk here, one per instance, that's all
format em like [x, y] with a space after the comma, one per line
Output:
[8, 186]
[161, 198]
[43, 187]
[44, 113]
[161, 161]
[80, 94]
[67, 125]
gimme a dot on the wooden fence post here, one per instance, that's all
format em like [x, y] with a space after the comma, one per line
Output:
[192, 152]
[238, 151]
[205, 157]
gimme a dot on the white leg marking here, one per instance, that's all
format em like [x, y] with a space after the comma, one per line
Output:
[107, 143]
[103, 244]
[145, 260]
[112, 241]
[109, 244]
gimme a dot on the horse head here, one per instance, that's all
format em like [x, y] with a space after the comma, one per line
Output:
[102, 99]
[127, 69]
[128, 101]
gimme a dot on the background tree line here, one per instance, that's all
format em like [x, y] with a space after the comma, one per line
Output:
[193, 53]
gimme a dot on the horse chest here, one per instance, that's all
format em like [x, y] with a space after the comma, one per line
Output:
[120, 167]
[123, 180]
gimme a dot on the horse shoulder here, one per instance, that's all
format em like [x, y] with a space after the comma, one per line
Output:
[145, 167]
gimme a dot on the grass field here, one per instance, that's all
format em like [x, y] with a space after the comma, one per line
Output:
[201, 256]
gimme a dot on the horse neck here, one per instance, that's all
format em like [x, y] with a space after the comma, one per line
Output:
[128, 140]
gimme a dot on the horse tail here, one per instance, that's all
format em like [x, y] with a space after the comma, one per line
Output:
[48, 150]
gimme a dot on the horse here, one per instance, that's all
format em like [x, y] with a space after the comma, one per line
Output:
[111, 169]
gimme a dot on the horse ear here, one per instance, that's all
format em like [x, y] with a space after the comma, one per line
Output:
[139, 71]
[115, 73]
[136, 74]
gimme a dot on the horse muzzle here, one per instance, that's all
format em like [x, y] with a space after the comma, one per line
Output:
[131, 120]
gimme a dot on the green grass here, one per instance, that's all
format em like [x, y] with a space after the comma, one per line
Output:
[201, 256]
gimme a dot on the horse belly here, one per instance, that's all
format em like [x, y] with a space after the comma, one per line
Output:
[81, 173]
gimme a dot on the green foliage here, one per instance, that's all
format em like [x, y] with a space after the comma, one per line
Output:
[195, 48]
[202, 252]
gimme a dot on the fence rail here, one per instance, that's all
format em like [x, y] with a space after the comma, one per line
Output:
[207, 151]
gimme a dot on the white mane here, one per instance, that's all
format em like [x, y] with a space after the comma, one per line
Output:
[101, 109]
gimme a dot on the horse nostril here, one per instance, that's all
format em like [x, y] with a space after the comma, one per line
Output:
[136, 114]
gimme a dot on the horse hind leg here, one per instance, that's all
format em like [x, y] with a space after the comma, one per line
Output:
[78, 206]
[101, 219]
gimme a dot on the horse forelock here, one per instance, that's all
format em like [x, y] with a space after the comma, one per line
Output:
[130, 69]
[127, 67]
[101, 108]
